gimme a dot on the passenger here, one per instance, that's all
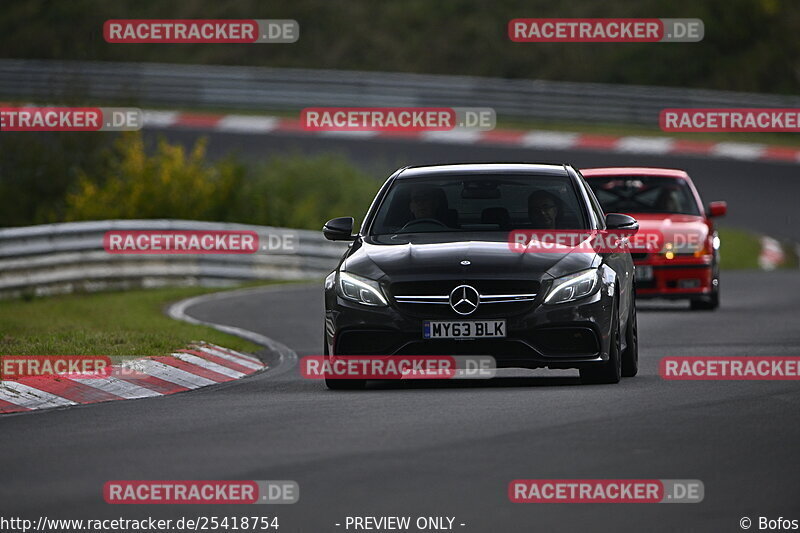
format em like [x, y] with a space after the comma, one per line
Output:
[543, 210]
[425, 203]
[668, 201]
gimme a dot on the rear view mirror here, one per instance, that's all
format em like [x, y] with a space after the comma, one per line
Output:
[480, 191]
[339, 229]
[717, 209]
[623, 222]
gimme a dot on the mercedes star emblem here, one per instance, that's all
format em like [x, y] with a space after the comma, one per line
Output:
[464, 299]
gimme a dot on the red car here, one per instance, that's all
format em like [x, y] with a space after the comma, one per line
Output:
[666, 203]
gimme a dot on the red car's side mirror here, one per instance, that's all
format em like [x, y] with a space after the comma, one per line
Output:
[717, 209]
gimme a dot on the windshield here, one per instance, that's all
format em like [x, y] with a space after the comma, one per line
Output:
[479, 203]
[644, 194]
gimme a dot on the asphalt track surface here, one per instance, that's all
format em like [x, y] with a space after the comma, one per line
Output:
[445, 448]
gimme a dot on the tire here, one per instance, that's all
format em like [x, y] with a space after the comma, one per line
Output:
[611, 370]
[342, 384]
[707, 303]
[630, 357]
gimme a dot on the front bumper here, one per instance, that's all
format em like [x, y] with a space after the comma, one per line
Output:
[678, 279]
[571, 335]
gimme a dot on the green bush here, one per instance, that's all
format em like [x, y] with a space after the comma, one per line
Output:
[170, 183]
[300, 192]
[291, 191]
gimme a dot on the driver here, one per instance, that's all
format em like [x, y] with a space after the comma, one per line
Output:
[543, 209]
[425, 203]
[668, 201]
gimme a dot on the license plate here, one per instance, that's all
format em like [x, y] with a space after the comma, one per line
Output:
[644, 272]
[464, 329]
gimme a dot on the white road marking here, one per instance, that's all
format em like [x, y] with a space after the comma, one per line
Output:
[234, 353]
[356, 134]
[738, 150]
[454, 136]
[549, 139]
[118, 387]
[175, 375]
[241, 361]
[247, 124]
[645, 145]
[30, 397]
[159, 119]
[209, 365]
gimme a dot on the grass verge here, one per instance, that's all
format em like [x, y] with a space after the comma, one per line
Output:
[129, 323]
[739, 249]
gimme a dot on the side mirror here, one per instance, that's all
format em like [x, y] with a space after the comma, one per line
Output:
[339, 229]
[623, 222]
[717, 209]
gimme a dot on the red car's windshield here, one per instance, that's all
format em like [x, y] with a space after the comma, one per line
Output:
[644, 194]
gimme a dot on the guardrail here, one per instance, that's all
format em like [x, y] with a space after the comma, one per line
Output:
[69, 257]
[261, 88]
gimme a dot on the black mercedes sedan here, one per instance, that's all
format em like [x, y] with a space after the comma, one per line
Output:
[434, 271]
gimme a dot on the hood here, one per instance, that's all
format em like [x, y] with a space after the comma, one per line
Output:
[682, 230]
[419, 259]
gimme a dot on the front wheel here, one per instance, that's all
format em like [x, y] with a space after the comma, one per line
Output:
[707, 303]
[609, 371]
[630, 356]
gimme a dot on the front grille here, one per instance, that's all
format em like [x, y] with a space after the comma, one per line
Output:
[498, 298]
[483, 286]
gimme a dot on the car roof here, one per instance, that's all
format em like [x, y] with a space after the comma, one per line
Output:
[483, 168]
[634, 171]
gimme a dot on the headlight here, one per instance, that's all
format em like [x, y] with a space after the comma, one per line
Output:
[362, 290]
[572, 287]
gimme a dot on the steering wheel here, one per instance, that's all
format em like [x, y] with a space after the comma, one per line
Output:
[418, 221]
